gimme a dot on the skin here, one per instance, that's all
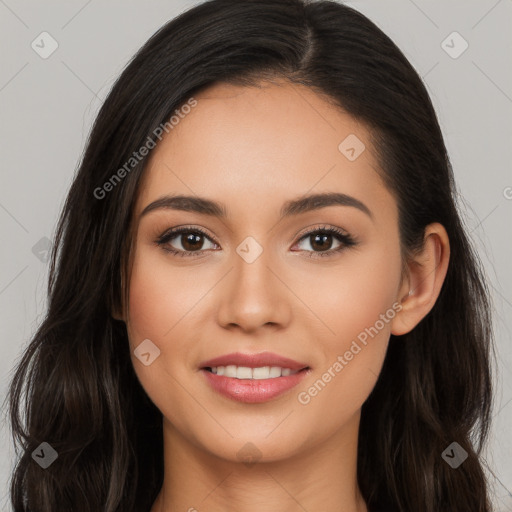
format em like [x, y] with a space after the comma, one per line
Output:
[253, 149]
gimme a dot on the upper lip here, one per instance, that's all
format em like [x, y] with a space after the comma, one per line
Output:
[254, 361]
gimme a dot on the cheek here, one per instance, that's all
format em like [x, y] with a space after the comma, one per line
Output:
[350, 297]
[158, 301]
[159, 298]
[161, 301]
[356, 304]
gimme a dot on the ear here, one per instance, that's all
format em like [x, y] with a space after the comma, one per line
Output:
[425, 277]
[117, 313]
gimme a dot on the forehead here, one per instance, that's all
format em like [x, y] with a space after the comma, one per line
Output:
[257, 145]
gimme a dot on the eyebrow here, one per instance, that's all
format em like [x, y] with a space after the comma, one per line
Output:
[292, 207]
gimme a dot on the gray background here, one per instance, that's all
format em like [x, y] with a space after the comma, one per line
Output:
[48, 105]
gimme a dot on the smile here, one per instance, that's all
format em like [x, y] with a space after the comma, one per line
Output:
[268, 384]
[244, 372]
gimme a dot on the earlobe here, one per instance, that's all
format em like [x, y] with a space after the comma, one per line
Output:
[117, 315]
[117, 308]
[426, 274]
[116, 311]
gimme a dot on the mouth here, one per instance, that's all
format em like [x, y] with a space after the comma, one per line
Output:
[253, 385]
[248, 373]
[253, 378]
[265, 364]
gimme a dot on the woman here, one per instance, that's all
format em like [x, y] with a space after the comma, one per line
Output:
[261, 295]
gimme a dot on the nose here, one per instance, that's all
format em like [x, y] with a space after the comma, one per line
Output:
[253, 295]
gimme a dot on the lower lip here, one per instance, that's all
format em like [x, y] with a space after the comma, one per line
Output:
[253, 390]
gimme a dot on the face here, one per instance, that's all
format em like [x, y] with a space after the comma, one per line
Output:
[313, 281]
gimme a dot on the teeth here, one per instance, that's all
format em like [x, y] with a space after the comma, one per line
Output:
[243, 372]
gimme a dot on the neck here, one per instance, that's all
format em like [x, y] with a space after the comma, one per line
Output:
[323, 478]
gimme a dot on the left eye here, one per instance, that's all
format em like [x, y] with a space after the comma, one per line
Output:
[320, 241]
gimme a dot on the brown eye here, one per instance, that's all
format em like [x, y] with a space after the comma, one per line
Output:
[191, 241]
[184, 241]
[320, 241]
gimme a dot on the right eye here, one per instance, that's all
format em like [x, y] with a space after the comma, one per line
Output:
[184, 241]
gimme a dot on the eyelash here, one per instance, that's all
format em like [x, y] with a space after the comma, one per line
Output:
[345, 239]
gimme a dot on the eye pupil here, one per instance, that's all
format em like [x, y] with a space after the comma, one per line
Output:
[192, 241]
[321, 239]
